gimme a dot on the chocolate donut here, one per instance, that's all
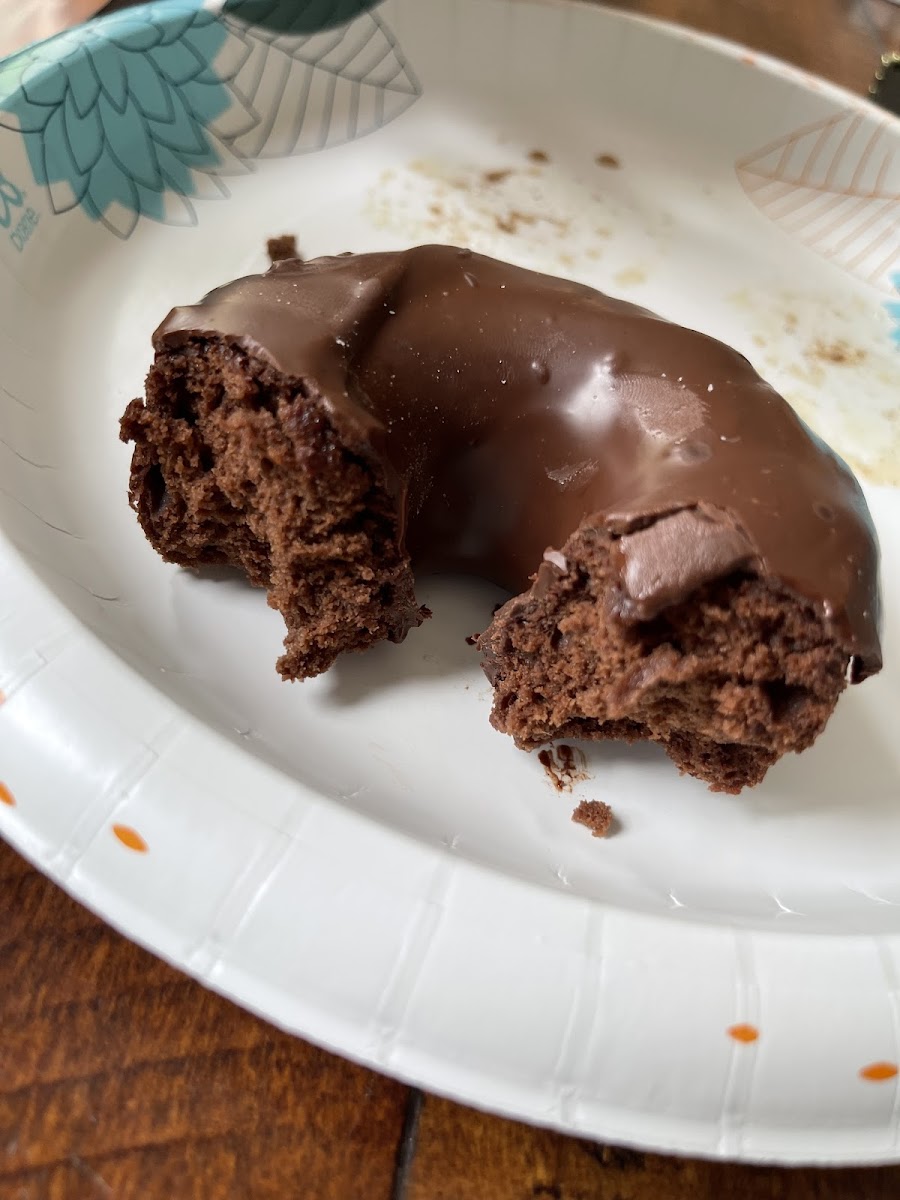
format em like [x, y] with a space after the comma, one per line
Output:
[689, 563]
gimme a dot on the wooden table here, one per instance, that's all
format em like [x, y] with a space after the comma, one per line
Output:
[120, 1078]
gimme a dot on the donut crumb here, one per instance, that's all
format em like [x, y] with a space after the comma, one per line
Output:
[282, 247]
[595, 816]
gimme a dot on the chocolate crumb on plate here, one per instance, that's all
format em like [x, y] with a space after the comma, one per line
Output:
[281, 248]
[595, 816]
[608, 160]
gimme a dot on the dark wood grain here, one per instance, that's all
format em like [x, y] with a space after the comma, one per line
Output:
[463, 1155]
[122, 1080]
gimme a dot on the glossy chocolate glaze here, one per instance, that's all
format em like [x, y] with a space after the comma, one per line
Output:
[504, 408]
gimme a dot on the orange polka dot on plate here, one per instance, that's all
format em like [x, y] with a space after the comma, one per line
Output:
[6, 796]
[131, 838]
[743, 1033]
[879, 1072]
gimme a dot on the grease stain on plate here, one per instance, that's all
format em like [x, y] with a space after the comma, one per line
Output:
[630, 277]
[839, 369]
[528, 211]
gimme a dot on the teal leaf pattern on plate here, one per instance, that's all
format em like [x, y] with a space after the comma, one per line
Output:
[118, 117]
[146, 110]
[314, 79]
[298, 16]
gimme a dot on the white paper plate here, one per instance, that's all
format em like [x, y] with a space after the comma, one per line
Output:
[361, 858]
